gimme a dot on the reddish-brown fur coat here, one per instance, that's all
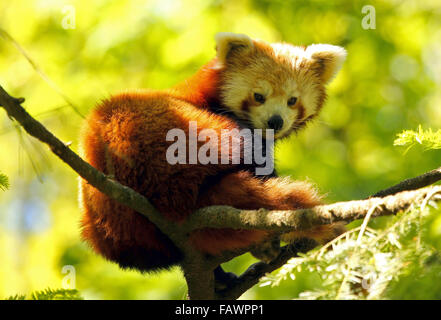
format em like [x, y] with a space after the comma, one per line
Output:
[125, 137]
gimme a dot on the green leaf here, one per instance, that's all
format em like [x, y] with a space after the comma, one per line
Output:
[4, 182]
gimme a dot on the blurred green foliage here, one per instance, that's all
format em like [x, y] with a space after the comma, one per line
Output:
[390, 82]
[50, 294]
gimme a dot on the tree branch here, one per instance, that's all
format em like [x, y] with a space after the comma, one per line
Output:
[303, 219]
[421, 181]
[256, 271]
[342, 211]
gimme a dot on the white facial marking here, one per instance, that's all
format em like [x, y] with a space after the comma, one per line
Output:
[286, 72]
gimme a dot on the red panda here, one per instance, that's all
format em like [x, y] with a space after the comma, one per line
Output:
[249, 83]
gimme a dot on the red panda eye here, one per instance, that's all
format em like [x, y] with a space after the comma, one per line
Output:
[292, 101]
[259, 98]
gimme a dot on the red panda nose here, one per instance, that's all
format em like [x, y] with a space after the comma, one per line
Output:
[275, 122]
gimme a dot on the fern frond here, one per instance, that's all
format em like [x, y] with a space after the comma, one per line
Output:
[57, 294]
[368, 265]
[50, 294]
[426, 138]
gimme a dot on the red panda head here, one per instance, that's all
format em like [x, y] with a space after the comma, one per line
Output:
[274, 86]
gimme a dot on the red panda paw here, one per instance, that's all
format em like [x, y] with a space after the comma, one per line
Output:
[267, 251]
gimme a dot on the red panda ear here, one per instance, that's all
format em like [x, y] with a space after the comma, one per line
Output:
[327, 59]
[227, 43]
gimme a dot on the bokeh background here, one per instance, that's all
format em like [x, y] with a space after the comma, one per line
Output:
[64, 56]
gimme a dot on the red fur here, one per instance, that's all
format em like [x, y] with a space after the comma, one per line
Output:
[125, 137]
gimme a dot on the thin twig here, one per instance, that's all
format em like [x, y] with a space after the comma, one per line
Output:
[5, 35]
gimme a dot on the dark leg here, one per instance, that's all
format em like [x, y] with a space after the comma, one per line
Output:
[223, 279]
